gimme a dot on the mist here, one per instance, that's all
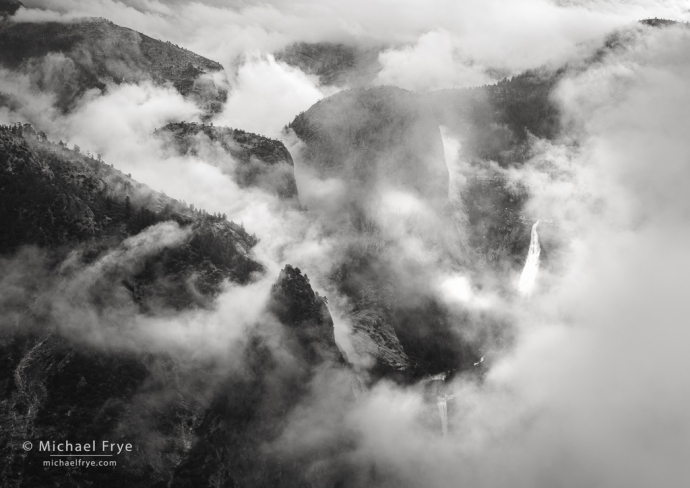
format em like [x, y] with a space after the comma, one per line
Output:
[593, 392]
[593, 386]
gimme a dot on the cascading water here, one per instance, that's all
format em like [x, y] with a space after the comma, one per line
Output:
[442, 402]
[443, 412]
[529, 272]
[436, 377]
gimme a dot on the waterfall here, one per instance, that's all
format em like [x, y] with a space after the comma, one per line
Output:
[529, 272]
[443, 412]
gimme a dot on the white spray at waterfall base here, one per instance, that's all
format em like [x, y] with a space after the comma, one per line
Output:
[531, 269]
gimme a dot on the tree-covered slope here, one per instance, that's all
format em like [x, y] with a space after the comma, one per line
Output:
[240, 435]
[58, 198]
[251, 159]
[9, 7]
[334, 64]
[69, 58]
[99, 277]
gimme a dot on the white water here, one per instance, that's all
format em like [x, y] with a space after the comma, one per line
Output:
[437, 377]
[443, 412]
[442, 402]
[531, 269]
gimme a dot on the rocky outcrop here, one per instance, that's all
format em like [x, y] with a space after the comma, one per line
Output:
[68, 58]
[306, 316]
[251, 159]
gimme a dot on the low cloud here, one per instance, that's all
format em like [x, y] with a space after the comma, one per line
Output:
[266, 95]
[497, 34]
[595, 388]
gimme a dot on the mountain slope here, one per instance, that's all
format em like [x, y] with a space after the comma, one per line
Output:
[191, 421]
[240, 434]
[251, 159]
[384, 147]
[373, 139]
[493, 121]
[334, 64]
[70, 58]
[90, 262]
[57, 198]
[9, 7]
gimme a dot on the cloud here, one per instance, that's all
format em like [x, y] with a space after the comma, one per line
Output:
[594, 390]
[494, 33]
[266, 96]
[437, 56]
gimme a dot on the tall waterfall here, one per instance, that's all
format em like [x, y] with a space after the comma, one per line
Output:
[443, 412]
[529, 272]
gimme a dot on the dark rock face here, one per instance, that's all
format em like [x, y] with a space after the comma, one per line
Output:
[69, 58]
[306, 315]
[252, 160]
[374, 140]
[334, 64]
[409, 333]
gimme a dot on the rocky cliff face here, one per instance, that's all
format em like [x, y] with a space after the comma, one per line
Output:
[373, 141]
[68, 58]
[385, 138]
[306, 314]
[252, 160]
[383, 147]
